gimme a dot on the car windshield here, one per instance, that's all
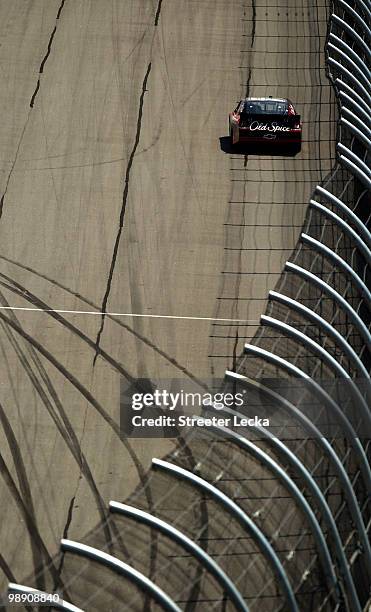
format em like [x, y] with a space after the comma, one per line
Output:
[266, 107]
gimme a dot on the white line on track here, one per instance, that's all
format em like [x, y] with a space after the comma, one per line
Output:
[127, 314]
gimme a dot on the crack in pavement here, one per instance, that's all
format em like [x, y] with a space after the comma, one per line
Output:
[157, 17]
[46, 56]
[65, 533]
[32, 102]
[122, 212]
[253, 26]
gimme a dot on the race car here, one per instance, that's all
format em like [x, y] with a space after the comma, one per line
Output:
[265, 120]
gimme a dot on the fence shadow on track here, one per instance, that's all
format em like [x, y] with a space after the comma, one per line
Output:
[320, 303]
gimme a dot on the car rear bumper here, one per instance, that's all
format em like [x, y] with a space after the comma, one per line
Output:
[294, 136]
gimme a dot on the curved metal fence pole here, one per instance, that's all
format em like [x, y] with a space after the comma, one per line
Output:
[356, 120]
[245, 521]
[317, 494]
[363, 6]
[356, 108]
[362, 247]
[345, 57]
[325, 399]
[357, 18]
[352, 33]
[352, 156]
[340, 263]
[351, 93]
[360, 131]
[361, 227]
[309, 314]
[316, 348]
[21, 589]
[356, 319]
[177, 536]
[126, 570]
[350, 76]
[352, 167]
[350, 52]
[313, 431]
[265, 459]
[360, 136]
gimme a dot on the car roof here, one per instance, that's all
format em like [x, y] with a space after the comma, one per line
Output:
[267, 99]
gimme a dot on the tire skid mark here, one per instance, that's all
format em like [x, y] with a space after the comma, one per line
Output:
[2, 199]
[65, 428]
[25, 489]
[17, 349]
[143, 477]
[33, 299]
[75, 445]
[76, 452]
[122, 212]
[6, 569]
[11, 578]
[14, 323]
[32, 528]
[137, 335]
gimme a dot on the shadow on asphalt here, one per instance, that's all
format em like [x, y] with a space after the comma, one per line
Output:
[257, 149]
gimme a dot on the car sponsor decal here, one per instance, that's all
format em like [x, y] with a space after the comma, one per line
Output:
[267, 127]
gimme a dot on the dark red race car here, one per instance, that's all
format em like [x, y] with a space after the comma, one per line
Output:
[265, 120]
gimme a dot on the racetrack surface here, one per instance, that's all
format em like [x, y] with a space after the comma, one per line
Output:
[119, 195]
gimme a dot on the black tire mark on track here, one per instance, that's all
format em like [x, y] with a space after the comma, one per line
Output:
[2, 199]
[75, 447]
[33, 299]
[32, 528]
[146, 341]
[6, 569]
[123, 210]
[143, 477]
[67, 432]
[11, 577]
[70, 438]
[19, 290]
[25, 490]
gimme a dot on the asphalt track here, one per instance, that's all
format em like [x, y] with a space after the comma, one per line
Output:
[119, 194]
